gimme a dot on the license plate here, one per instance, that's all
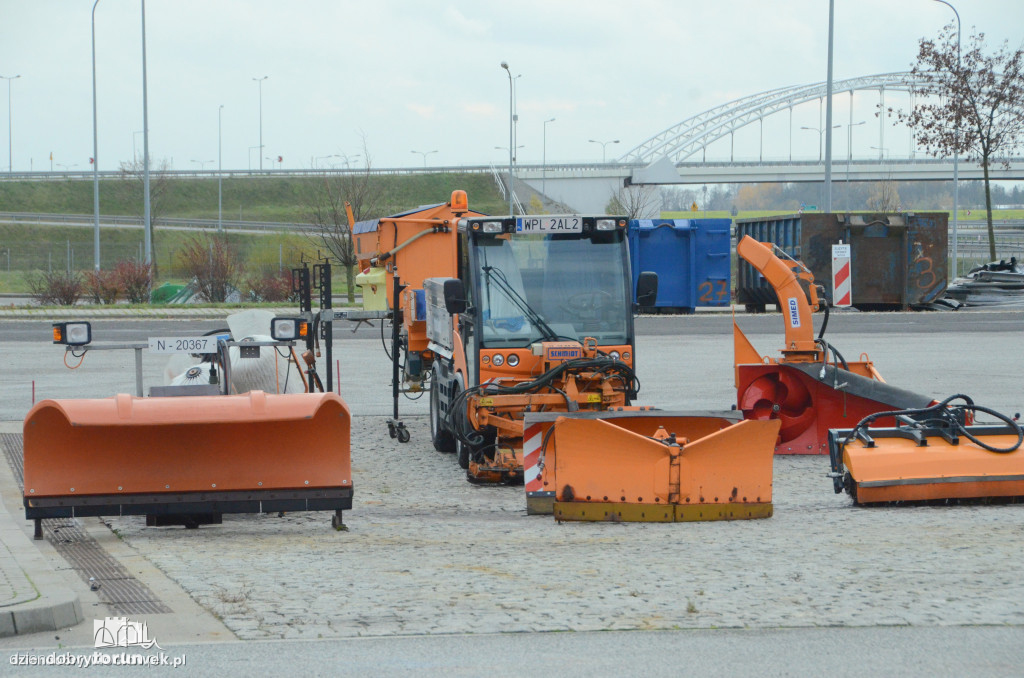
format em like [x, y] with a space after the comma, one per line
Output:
[568, 224]
[184, 344]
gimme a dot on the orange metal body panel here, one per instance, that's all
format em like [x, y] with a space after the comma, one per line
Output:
[900, 470]
[786, 282]
[126, 445]
[600, 461]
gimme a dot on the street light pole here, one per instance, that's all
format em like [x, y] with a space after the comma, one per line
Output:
[260, 82]
[423, 153]
[956, 148]
[604, 144]
[511, 138]
[849, 157]
[10, 144]
[147, 219]
[544, 159]
[828, 114]
[220, 175]
[515, 115]
[95, 155]
[820, 131]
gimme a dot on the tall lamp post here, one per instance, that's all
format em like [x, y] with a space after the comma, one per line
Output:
[423, 153]
[220, 175]
[10, 145]
[956, 148]
[604, 145]
[316, 162]
[515, 116]
[544, 159]
[827, 188]
[820, 131]
[260, 82]
[849, 157]
[511, 139]
[95, 155]
[147, 211]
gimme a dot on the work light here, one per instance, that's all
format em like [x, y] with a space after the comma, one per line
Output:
[72, 334]
[289, 329]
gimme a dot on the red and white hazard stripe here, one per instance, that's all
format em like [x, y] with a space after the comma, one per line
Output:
[841, 280]
[533, 436]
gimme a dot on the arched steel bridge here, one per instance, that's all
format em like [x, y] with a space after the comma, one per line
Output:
[691, 136]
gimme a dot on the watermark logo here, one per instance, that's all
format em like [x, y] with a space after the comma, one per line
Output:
[120, 632]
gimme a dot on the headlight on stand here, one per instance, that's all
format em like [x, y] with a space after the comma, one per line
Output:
[72, 334]
[289, 329]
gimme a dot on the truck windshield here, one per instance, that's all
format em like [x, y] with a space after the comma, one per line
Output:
[544, 288]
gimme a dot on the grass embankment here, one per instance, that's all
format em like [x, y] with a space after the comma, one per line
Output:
[284, 199]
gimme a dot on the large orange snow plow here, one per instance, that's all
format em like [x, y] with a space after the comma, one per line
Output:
[188, 455]
[930, 454]
[193, 453]
[811, 388]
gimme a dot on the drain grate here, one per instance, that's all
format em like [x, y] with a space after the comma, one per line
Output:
[122, 592]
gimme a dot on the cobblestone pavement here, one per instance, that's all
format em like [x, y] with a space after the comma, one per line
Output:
[427, 553]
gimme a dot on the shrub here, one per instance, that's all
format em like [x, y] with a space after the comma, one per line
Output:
[213, 265]
[55, 288]
[102, 287]
[135, 278]
[271, 287]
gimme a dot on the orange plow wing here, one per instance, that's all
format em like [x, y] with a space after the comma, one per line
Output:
[602, 470]
[225, 454]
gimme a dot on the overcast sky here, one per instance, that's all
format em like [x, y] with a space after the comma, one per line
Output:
[425, 75]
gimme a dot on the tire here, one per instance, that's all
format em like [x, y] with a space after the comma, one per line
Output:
[440, 436]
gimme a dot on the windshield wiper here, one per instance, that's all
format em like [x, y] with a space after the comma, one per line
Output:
[502, 283]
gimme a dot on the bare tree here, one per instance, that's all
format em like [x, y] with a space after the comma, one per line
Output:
[132, 188]
[635, 202]
[884, 197]
[326, 211]
[975, 103]
[213, 266]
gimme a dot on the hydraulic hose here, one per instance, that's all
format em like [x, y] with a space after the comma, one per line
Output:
[947, 416]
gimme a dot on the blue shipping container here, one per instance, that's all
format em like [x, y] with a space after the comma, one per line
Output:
[691, 258]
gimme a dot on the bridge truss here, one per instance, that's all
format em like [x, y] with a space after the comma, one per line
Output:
[691, 136]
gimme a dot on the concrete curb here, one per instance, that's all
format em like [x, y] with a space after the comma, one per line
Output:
[55, 605]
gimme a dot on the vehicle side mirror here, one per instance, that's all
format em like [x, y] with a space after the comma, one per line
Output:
[647, 288]
[454, 296]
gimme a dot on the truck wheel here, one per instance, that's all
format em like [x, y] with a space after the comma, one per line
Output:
[442, 438]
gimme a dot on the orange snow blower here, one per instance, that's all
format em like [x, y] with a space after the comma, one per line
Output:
[812, 388]
[930, 454]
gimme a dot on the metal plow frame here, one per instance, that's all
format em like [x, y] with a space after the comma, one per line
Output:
[188, 456]
[706, 466]
[924, 464]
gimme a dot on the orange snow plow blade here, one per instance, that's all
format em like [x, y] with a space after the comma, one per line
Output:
[223, 454]
[929, 460]
[602, 470]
